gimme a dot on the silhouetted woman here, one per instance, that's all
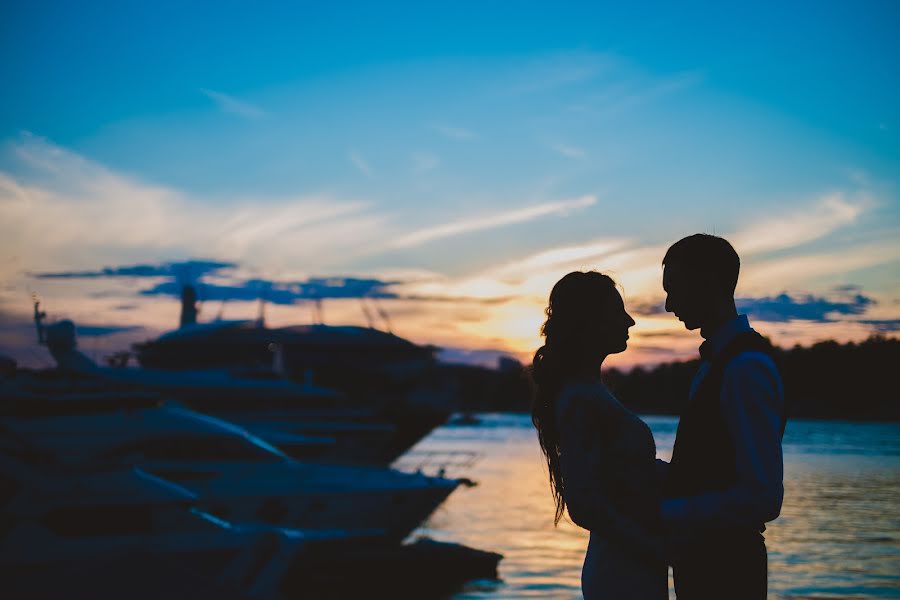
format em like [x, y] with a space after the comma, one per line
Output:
[600, 455]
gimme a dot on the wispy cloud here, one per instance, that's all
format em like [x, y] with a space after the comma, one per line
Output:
[282, 292]
[454, 133]
[558, 258]
[558, 70]
[72, 212]
[568, 151]
[191, 269]
[810, 266]
[233, 106]
[425, 161]
[798, 226]
[628, 90]
[360, 163]
[492, 221]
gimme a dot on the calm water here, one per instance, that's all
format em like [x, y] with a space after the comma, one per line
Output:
[838, 535]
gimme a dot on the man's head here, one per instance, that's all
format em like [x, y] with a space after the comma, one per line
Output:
[700, 273]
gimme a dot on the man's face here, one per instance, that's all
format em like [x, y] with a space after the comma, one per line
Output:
[684, 297]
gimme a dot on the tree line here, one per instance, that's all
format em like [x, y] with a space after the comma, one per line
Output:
[828, 380]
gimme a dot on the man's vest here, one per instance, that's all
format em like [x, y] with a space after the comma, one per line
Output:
[704, 458]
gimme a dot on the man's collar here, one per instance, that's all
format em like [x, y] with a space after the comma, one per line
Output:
[715, 344]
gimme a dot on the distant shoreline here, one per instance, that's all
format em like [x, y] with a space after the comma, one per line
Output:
[827, 381]
[837, 419]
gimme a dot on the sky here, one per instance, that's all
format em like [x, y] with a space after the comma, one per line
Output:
[435, 167]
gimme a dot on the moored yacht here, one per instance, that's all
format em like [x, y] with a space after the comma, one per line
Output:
[127, 533]
[374, 434]
[237, 474]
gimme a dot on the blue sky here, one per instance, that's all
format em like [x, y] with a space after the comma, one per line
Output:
[469, 153]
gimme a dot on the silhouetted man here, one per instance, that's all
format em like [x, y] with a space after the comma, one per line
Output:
[725, 480]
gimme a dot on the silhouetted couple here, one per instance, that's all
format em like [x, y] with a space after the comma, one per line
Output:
[704, 512]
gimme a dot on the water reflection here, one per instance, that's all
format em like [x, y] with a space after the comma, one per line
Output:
[837, 536]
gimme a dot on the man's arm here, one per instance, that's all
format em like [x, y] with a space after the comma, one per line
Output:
[752, 405]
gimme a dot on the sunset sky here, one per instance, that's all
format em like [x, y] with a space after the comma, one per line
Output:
[449, 163]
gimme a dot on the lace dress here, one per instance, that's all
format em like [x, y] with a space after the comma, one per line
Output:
[609, 473]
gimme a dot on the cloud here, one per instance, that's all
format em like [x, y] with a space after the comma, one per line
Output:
[637, 268]
[102, 330]
[766, 274]
[629, 90]
[454, 133]
[556, 259]
[799, 226]
[557, 71]
[276, 292]
[425, 161]
[785, 307]
[647, 308]
[883, 325]
[459, 299]
[233, 106]
[192, 269]
[663, 334]
[283, 293]
[465, 226]
[227, 286]
[568, 151]
[360, 163]
[68, 212]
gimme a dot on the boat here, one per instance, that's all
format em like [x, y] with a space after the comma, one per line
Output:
[375, 433]
[353, 358]
[127, 533]
[248, 342]
[240, 475]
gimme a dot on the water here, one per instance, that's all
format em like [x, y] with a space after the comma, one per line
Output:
[838, 535]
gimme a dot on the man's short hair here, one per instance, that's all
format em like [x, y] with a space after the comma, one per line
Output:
[707, 257]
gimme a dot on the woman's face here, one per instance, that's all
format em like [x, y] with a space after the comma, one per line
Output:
[616, 323]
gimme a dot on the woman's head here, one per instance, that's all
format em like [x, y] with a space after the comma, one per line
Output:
[586, 321]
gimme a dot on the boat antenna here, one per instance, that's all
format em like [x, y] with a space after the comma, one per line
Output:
[369, 320]
[261, 312]
[39, 317]
[317, 310]
[384, 316]
[221, 309]
[188, 305]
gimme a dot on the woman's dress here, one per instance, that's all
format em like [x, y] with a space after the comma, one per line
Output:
[608, 463]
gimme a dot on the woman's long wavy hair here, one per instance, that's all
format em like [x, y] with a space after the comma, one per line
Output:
[576, 307]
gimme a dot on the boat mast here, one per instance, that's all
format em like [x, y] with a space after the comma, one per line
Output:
[39, 316]
[188, 306]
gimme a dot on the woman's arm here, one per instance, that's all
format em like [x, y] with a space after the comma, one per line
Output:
[582, 464]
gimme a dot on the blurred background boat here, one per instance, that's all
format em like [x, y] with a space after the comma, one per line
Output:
[223, 453]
